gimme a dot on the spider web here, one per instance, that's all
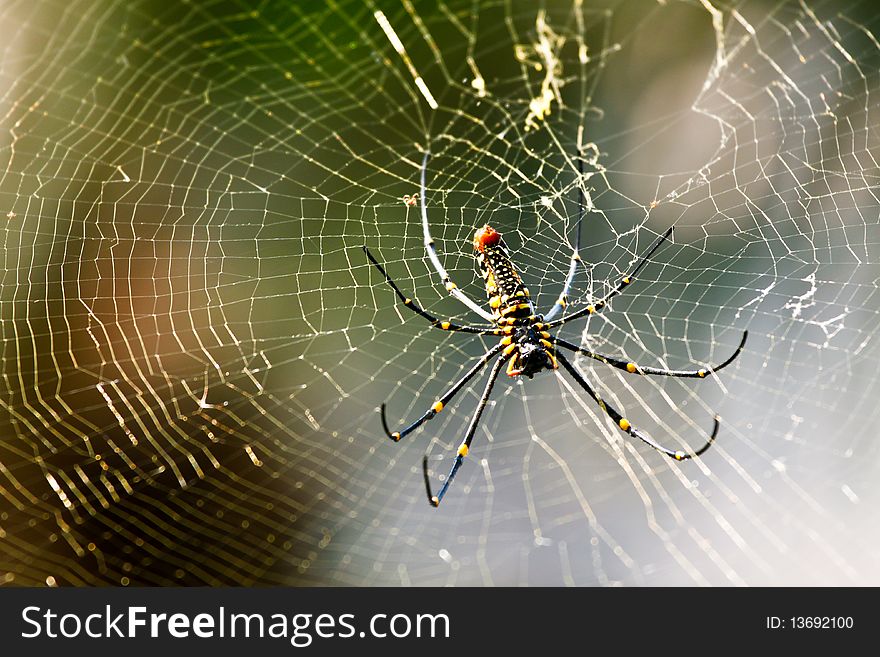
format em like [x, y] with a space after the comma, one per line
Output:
[194, 347]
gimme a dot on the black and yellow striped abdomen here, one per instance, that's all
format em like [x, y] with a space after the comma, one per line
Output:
[506, 293]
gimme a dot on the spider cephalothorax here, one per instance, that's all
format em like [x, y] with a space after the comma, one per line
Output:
[533, 353]
[526, 344]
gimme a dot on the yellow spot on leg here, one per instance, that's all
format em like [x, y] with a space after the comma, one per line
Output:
[626, 281]
[450, 286]
[679, 456]
[435, 501]
[395, 436]
[624, 424]
[437, 407]
[494, 302]
[407, 302]
[591, 309]
[507, 340]
[445, 325]
[631, 368]
[701, 373]
[509, 350]
[463, 450]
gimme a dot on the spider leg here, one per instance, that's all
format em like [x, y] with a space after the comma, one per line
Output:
[412, 305]
[447, 396]
[451, 287]
[624, 282]
[632, 368]
[562, 301]
[624, 424]
[463, 449]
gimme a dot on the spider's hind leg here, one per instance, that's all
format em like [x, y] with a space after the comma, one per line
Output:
[621, 285]
[431, 250]
[562, 301]
[412, 305]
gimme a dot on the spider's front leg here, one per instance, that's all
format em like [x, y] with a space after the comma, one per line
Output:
[624, 424]
[465, 445]
[444, 399]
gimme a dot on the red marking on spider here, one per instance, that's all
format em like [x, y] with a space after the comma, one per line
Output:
[486, 236]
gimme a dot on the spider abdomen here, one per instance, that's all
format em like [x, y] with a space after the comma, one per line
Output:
[506, 293]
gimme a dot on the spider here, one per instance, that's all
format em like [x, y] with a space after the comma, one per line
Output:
[526, 344]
